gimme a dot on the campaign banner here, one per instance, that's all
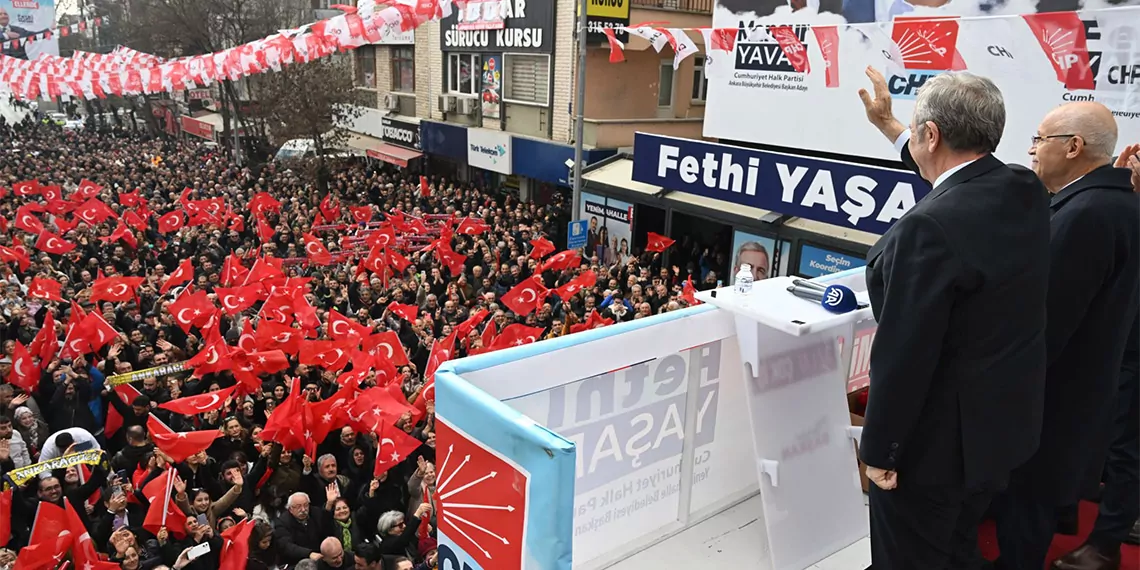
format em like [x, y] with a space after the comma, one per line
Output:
[803, 70]
[610, 229]
[24, 18]
[767, 258]
[817, 261]
[865, 198]
[505, 485]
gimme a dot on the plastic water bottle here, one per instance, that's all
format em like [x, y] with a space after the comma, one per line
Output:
[743, 282]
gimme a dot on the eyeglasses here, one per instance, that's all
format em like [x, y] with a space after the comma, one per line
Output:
[1038, 139]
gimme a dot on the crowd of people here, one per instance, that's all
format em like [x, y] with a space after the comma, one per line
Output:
[82, 442]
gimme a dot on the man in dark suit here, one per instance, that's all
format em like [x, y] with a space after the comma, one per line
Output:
[958, 286]
[8, 32]
[1094, 285]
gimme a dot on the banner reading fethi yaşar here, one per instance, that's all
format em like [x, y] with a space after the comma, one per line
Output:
[756, 94]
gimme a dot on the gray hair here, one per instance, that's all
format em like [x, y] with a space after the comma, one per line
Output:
[305, 564]
[388, 521]
[968, 109]
[324, 458]
[294, 497]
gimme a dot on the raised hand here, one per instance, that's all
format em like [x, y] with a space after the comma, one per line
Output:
[878, 108]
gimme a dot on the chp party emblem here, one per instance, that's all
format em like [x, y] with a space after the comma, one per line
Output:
[483, 498]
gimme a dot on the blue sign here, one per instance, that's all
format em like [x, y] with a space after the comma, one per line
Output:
[442, 139]
[546, 161]
[577, 234]
[865, 198]
[816, 262]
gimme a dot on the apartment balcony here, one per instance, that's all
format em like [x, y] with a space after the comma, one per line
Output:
[694, 6]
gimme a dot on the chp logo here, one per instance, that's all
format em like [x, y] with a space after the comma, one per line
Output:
[926, 47]
[483, 497]
[780, 49]
[1079, 48]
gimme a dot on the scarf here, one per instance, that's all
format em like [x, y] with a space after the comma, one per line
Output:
[32, 430]
[345, 533]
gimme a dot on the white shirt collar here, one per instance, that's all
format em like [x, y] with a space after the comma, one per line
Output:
[905, 138]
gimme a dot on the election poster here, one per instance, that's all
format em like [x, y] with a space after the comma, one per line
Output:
[789, 76]
[21, 19]
[610, 227]
[767, 258]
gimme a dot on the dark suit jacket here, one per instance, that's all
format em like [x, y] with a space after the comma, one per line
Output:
[1093, 298]
[958, 286]
[20, 51]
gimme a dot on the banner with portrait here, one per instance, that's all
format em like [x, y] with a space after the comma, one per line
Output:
[22, 19]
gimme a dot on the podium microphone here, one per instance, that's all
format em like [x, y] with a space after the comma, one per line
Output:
[834, 299]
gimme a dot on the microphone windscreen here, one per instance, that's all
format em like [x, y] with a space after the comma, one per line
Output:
[839, 299]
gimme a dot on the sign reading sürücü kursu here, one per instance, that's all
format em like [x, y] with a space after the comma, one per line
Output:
[528, 28]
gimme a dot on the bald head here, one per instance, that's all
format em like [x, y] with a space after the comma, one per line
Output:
[1071, 141]
[1092, 122]
[331, 549]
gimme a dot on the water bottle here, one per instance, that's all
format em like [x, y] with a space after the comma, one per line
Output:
[743, 282]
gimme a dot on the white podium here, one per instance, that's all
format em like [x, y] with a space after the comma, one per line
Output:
[795, 360]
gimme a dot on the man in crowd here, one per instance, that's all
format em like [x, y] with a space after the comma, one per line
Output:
[958, 286]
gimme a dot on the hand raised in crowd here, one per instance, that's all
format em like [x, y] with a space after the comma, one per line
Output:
[1130, 158]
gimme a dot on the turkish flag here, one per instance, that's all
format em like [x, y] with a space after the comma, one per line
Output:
[316, 251]
[327, 354]
[342, 328]
[130, 199]
[542, 248]
[235, 549]
[44, 288]
[94, 212]
[237, 299]
[45, 344]
[406, 312]
[6, 516]
[171, 222]
[264, 269]
[87, 189]
[396, 261]
[489, 334]
[584, 280]
[375, 408]
[28, 221]
[425, 190]
[122, 232]
[25, 373]
[51, 243]
[214, 358]
[657, 242]
[450, 259]
[127, 394]
[264, 231]
[192, 309]
[393, 447]
[135, 220]
[562, 261]
[465, 328]
[276, 336]
[232, 270]
[689, 292]
[26, 188]
[387, 345]
[516, 335]
[8, 255]
[163, 513]
[526, 296]
[262, 202]
[472, 227]
[97, 331]
[179, 445]
[382, 236]
[330, 211]
[200, 404]
[592, 322]
[50, 538]
[361, 215]
[283, 425]
[115, 289]
[441, 351]
[329, 414]
[184, 274]
[82, 548]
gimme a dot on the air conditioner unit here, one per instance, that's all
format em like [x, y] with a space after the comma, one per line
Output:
[391, 101]
[446, 104]
[468, 106]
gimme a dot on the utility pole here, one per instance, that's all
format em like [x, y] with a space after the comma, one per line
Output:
[579, 104]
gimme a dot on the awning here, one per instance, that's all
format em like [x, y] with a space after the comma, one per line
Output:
[393, 154]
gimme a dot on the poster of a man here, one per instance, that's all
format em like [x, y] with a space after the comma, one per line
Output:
[759, 252]
[20, 19]
[756, 255]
